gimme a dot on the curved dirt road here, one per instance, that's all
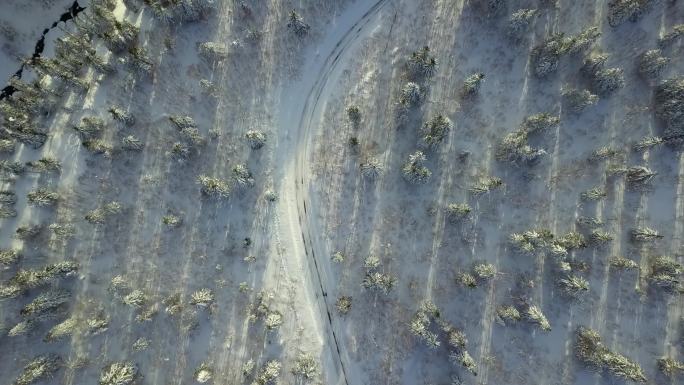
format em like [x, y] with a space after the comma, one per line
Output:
[298, 121]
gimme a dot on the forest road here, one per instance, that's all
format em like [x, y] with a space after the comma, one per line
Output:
[300, 119]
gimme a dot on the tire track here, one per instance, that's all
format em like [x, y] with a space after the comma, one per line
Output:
[299, 176]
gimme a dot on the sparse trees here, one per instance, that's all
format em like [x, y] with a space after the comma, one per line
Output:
[414, 171]
[590, 350]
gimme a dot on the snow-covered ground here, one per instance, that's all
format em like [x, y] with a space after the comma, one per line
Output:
[296, 90]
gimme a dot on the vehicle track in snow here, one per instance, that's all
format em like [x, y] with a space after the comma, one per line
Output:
[299, 118]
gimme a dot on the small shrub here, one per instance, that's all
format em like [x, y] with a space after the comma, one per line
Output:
[519, 22]
[305, 366]
[665, 273]
[132, 143]
[669, 366]
[608, 80]
[485, 185]
[213, 187]
[46, 303]
[354, 115]
[579, 100]
[535, 315]
[456, 212]
[644, 234]
[372, 168]
[669, 105]
[40, 367]
[101, 214]
[9, 256]
[61, 330]
[507, 314]
[590, 350]
[670, 37]
[135, 299]
[256, 139]
[204, 373]
[621, 10]
[242, 177]
[472, 84]
[411, 95]
[297, 25]
[652, 63]
[622, 263]
[435, 130]
[203, 297]
[42, 197]
[422, 64]
[119, 373]
[573, 286]
[268, 373]
[343, 304]
[379, 281]
[414, 171]
[594, 194]
[44, 165]
[648, 142]
[121, 115]
[212, 51]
